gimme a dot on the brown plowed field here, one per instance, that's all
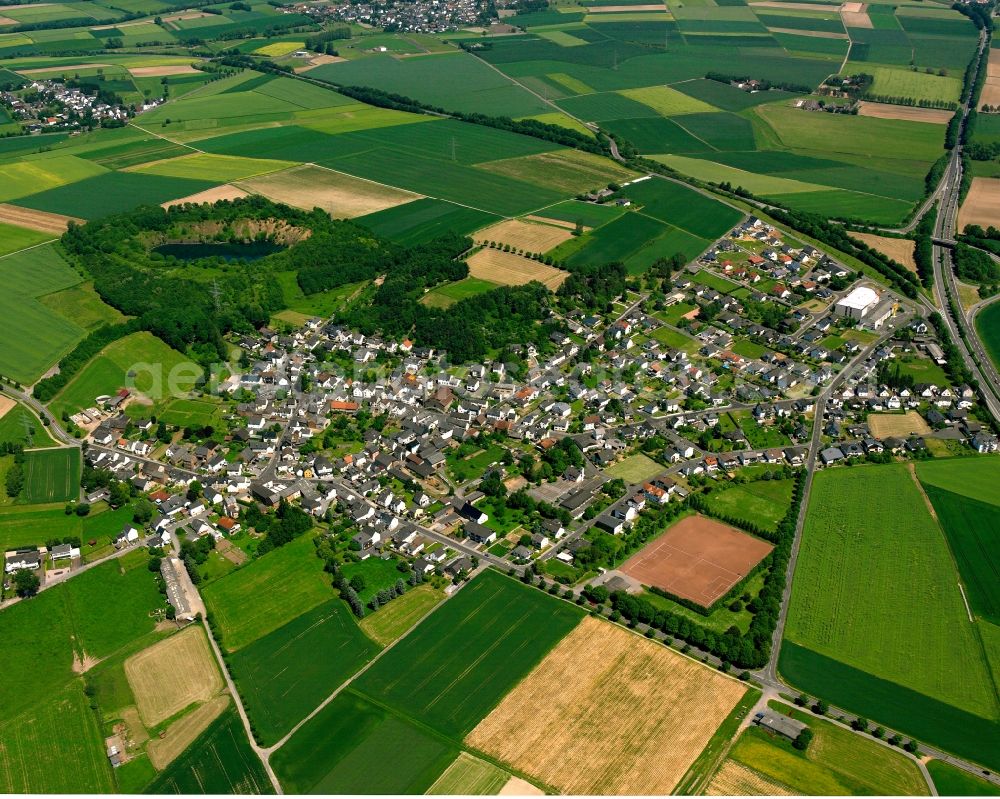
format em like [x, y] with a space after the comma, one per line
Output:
[937, 116]
[509, 269]
[160, 72]
[698, 559]
[608, 713]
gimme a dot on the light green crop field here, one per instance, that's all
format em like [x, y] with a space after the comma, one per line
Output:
[567, 171]
[896, 611]
[21, 178]
[668, 102]
[976, 478]
[390, 621]
[903, 82]
[82, 306]
[837, 762]
[267, 593]
[51, 475]
[207, 166]
[14, 238]
[469, 776]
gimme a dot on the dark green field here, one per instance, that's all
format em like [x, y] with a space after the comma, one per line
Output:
[952, 781]
[683, 207]
[220, 761]
[927, 719]
[988, 327]
[454, 668]
[283, 676]
[973, 530]
[422, 220]
[354, 746]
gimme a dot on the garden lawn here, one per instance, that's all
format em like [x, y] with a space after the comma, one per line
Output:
[637, 468]
[284, 675]
[267, 593]
[456, 665]
[762, 503]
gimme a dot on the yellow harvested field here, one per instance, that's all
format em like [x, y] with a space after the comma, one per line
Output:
[991, 91]
[172, 674]
[224, 192]
[610, 9]
[6, 403]
[814, 34]
[900, 250]
[982, 205]
[340, 195]
[789, 6]
[993, 65]
[60, 69]
[162, 72]
[899, 425]
[515, 786]
[935, 116]
[527, 236]
[855, 15]
[35, 220]
[182, 733]
[735, 779]
[557, 222]
[509, 269]
[608, 712]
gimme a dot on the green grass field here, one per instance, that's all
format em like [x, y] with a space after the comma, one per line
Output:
[423, 220]
[285, 675]
[903, 82]
[636, 468]
[763, 503]
[889, 636]
[952, 781]
[267, 593]
[51, 475]
[343, 750]
[450, 293]
[54, 747]
[82, 306]
[220, 761]
[838, 762]
[218, 168]
[988, 327]
[14, 238]
[454, 667]
[899, 598]
[20, 426]
[140, 361]
[390, 621]
[974, 477]
[973, 530]
[34, 335]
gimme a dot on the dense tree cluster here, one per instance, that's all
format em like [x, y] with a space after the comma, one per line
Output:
[594, 287]
[974, 266]
[287, 523]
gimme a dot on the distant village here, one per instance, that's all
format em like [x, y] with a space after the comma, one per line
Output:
[53, 105]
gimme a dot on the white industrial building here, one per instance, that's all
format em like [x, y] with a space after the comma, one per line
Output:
[858, 303]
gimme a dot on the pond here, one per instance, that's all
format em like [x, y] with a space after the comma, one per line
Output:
[250, 251]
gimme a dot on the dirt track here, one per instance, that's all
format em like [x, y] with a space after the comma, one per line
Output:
[698, 559]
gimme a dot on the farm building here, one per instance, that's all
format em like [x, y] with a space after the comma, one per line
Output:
[858, 303]
[782, 725]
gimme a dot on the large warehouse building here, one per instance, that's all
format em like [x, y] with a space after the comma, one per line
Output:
[858, 303]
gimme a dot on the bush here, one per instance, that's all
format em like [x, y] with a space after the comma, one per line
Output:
[802, 741]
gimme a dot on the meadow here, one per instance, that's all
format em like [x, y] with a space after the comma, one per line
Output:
[988, 328]
[34, 336]
[51, 475]
[20, 426]
[952, 781]
[894, 619]
[390, 621]
[285, 674]
[504, 628]
[343, 749]
[220, 761]
[762, 503]
[973, 530]
[636, 468]
[837, 762]
[140, 362]
[267, 593]
[469, 775]
[844, 525]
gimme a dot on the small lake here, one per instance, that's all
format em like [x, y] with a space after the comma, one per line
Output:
[251, 251]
